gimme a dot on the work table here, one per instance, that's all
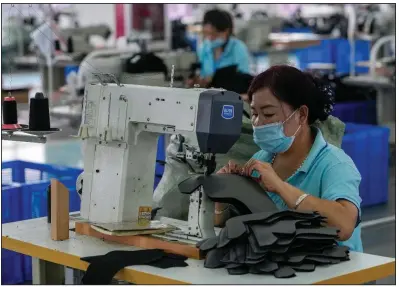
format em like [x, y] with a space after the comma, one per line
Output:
[32, 237]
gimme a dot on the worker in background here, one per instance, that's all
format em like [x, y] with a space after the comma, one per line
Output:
[296, 167]
[220, 48]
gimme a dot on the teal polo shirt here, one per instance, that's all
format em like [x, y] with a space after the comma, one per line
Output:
[235, 53]
[327, 173]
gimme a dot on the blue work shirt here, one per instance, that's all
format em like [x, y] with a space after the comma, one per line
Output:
[235, 53]
[327, 173]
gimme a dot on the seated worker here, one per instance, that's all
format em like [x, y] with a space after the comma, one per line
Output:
[296, 167]
[220, 48]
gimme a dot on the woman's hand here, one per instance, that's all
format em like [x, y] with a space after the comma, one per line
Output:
[230, 168]
[267, 176]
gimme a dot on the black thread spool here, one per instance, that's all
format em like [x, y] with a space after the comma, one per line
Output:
[39, 113]
[10, 116]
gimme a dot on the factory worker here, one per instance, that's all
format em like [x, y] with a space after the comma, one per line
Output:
[220, 48]
[296, 167]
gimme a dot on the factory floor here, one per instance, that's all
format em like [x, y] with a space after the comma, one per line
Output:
[62, 149]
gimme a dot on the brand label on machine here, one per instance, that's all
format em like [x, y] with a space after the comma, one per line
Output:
[228, 112]
[144, 217]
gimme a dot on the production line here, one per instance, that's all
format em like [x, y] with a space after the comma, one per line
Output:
[222, 205]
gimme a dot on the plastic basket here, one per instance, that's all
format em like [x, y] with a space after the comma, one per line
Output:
[368, 146]
[24, 196]
[361, 112]
[323, 53]
[342, 55]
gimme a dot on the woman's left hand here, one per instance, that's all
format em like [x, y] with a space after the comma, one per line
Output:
[267, 176]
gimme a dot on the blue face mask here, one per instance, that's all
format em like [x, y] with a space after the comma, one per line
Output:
[271, 137]
[214, 44]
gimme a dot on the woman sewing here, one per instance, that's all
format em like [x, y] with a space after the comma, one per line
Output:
[220, 49]
[296, 167]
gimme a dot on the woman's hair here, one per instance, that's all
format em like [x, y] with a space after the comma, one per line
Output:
[219, 19]
[296, 88]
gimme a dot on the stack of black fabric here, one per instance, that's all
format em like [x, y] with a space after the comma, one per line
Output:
[276, 243]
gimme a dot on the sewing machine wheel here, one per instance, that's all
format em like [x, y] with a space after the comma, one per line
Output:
[79, 185]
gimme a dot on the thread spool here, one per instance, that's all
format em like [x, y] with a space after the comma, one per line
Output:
[10, 116]
[39, 113]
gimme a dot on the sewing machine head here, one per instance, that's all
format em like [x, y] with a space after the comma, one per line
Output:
[120, 128]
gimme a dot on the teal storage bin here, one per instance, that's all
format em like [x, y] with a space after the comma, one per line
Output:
[368, 146]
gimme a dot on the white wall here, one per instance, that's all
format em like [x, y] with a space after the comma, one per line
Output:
[94, 14]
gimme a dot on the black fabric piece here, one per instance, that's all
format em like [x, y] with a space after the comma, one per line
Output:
[297, 259]
[167, 262]
[254, 270]
[243, 193]
[254, 261]
[236, 225]
[103, 268]
[229, 78]
[267, 266]
[233, 265]
[251, 255]
[209, 243]
[278, 243]
[241, 250]
[213, 258]
[223, 238]
[285, 272]
[306, 267]
[242, 270]
[190, 184]
[263, 235]
[318, 259]
[145, 63]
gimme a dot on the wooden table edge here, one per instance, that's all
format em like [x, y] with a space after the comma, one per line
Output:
[73, 261]
[138, 277]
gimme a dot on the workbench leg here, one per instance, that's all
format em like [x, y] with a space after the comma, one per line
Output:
[44, 273]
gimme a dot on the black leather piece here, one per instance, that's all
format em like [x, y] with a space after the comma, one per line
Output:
[306, 267]
[267, 266]
[278, 243]
[285, 272]
[236, 225]
[209, 244]
[241, 250]
[263, 235]
[254, 270]
[189, 185]
[242, 270]
[255, 246]
[167, 262]
[242, 192]
[223, 238]
[318, 259]
[251, 255]
[233, 265]
[199, 243]
[336, 252]
[213, 258]
[298, 259]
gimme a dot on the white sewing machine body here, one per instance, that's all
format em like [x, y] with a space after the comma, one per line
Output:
[120, 128]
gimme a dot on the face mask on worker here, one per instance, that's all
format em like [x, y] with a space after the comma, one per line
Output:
[271, 137]
[214, 44]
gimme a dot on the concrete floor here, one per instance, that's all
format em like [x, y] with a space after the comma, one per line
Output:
[62, 149]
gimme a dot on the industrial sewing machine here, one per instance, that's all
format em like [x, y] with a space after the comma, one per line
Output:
[120, 127]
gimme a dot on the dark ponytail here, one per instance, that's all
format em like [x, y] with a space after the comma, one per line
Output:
[297, 88]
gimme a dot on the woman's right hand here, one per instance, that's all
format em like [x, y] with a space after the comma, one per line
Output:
[230, 168]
